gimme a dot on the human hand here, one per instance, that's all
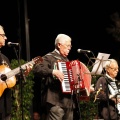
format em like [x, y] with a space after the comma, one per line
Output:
[58, 74]
[28, 69]
[111, 96]
[114, 99]
[118, 99]
[92, 88]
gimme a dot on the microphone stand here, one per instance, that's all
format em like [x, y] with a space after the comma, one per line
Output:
[80, 79]
[23, 76]
[89, 57]
[77, 98]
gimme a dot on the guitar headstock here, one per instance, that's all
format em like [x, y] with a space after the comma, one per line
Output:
[37, 59]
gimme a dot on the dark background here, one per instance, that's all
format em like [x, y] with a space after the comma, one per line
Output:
[85, 22]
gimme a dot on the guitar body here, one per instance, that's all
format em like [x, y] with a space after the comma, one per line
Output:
[10, 74]
[10, 82]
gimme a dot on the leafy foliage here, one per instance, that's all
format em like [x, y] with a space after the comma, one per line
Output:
[89, 109]
[22, 94]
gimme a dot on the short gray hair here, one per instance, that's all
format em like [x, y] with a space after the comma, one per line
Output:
[1, 26]
[108, 62]
[62, 38]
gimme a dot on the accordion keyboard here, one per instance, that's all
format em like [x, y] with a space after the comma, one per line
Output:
[66, 83]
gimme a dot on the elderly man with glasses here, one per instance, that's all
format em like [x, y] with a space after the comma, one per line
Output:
[107, 89]
[58, 105]
[6, 84]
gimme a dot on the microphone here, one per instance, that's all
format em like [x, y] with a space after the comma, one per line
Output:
[83, 51]
[12, 44]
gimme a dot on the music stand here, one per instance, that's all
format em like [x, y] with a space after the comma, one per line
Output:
[99, 63]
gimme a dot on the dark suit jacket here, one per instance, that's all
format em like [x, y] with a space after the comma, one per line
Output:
[53, 91]
[103, 98]
[5, 99]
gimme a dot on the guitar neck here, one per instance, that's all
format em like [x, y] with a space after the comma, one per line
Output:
[17, 70]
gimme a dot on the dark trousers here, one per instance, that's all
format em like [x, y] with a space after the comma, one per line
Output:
[113, 113]
[58, 113]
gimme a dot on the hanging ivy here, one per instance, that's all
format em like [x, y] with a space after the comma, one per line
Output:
[22, 94]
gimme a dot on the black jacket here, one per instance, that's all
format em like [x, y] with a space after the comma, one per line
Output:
[104, 102]
[53, 90]
[5, 99]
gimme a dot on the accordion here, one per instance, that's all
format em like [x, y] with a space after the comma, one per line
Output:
[77, 77]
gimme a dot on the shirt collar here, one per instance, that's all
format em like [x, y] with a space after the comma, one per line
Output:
[110, 77]
[57, 51]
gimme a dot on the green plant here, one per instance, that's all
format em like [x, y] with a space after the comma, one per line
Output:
[22, 94]
[89, 109]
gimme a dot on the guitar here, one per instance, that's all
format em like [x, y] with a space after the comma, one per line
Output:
[99, 90]
[9, 75]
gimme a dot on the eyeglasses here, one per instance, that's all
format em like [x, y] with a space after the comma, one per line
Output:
[115, 69]
[68, 46]
[3, 35]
